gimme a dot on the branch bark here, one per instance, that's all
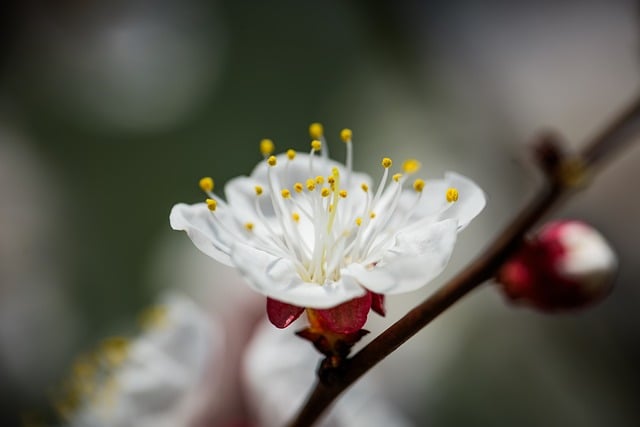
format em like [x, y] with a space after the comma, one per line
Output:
[561, 182]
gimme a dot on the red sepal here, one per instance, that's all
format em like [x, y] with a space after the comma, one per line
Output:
[282, 314]
[377, 304]
[348, 317]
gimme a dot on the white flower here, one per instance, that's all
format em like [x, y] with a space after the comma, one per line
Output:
[154, 380]
[309, 231]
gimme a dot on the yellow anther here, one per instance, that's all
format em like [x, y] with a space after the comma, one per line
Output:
[266, 147]
[153, 317]
[211, 204]
[345, 135]
[298, 187]
[258, 190]
[411, 166]
[343, 193]
[291, 154]
[316, 145]
[372, 214]
[452, 195]
[295, 216]
[114, 350]
[320, 179]
[311, 184]
[386, 163]
[285, 193]
[364, 187]
[325, 192]
[418, 185]
[358, 221]
[248, 226]
[331, 179]
[397, 176]
[206, 184]
[316, 130]
[272, 160]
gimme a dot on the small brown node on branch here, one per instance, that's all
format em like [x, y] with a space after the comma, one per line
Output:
[549, 152]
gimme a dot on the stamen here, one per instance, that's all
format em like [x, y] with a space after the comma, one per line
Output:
[345, 135]
[364, 187]
[258, 189]
[114, 350]
[418, 185]
[211, 204]
[320, 179]
[452, 195]
[295, 216]
[372, 214]
[272, 161]
[311, 184]
[343, 193]
[411, 166]
[396, 177]
[266, 147]
[386, 163]
[285, 193]
[248, 226]
[325, 192]
[298, 187]
[206, 184]
[291, 154]
[358, 221]
[316, 131]
[316, 145]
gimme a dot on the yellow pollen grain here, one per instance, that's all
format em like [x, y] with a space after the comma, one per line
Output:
[343, 193]
[266, 147]
[452, 195]
[114, 350]
[364, 187]
[298, 187]
[285, 193]
[248, 226]
[311, 184]
[291, 154]
[358, 221]
[316, 130]
[345, 135]
[325, 192]
[397, 176]
[386, 163]
[211, 204]
[258, 190]
[206, 184]
[316, 145]
[320, 179]
[272, 160]
[411, 166]
[418, 185]
[295, 216]
[372, 214]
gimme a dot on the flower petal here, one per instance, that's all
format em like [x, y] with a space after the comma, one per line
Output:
[419, 253]
[348, 317]
[197, 222]
[282, 314]
[377, 304]
[277, 278]
[470, 202]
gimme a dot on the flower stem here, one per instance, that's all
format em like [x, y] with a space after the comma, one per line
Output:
[623, 130]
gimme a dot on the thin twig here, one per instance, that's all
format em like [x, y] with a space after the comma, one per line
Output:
[621, 131]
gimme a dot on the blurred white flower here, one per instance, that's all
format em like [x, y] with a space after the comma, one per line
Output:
[280, 372]
[310, 232]
[158, 379]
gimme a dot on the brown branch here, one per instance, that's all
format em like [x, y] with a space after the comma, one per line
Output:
[621, 131]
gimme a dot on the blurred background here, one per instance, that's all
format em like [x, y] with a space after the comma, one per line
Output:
[110, 112]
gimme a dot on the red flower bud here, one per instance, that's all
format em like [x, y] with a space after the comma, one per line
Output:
[566, 265]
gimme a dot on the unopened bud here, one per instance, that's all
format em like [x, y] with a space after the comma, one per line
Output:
[566, 265]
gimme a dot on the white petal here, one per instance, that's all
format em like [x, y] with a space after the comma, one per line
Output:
[420, 252]
[241, 196]
[277, 278]
[197, 222]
